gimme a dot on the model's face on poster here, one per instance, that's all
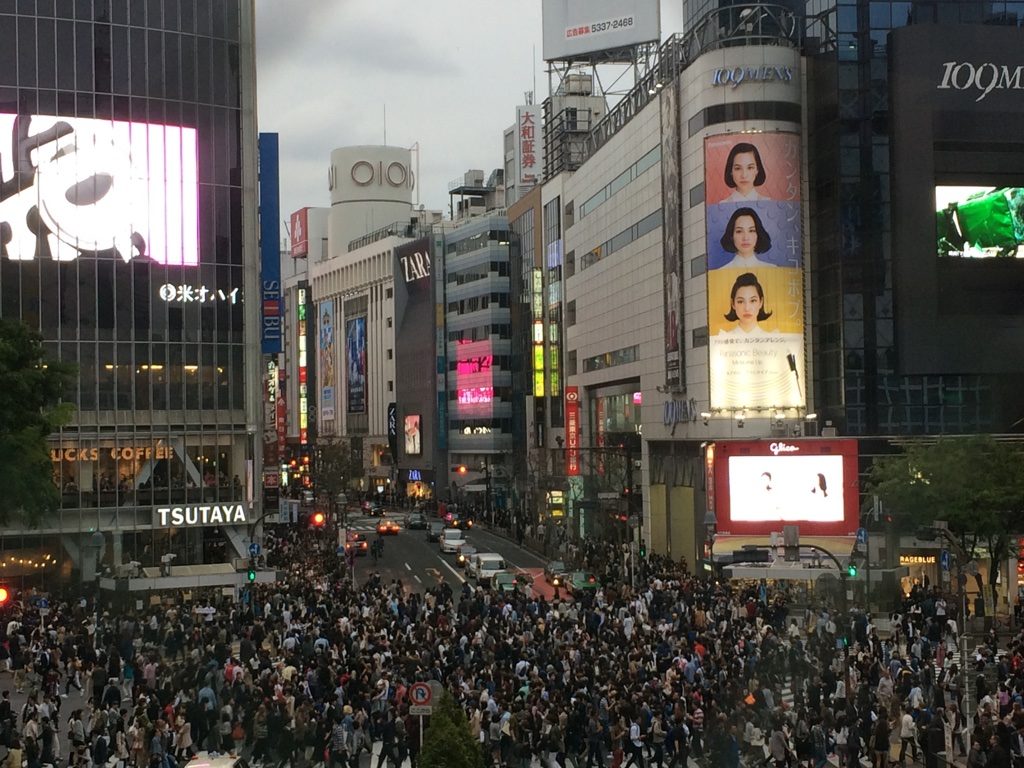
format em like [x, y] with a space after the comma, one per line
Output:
[744, 171]
[747, 305]
[744, 236]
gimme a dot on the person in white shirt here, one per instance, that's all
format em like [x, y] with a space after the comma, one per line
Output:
[636, 745]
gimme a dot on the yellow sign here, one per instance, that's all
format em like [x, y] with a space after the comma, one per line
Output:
[917, 560]
[124, 453]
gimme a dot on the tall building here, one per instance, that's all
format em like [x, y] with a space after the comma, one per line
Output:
[799, 223]
[148, 281]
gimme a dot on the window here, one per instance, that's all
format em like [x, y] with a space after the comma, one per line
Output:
[390, 322]
[391, 354]
[570, 313]
[647, 224]
[570, 363]
[388, 293]
[391, 385]
[620, 182]
[700, 336]
[699, 265]
[697, 195]
[611, 359]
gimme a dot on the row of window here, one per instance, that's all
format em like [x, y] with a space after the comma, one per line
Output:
[492, 426]
[478, 272]
[647, 224]
[220, 19]
[476, 242]
[611, 359]
[481, 332]
[80, 56]
[477, 303]
[646, 162]
[783, 111]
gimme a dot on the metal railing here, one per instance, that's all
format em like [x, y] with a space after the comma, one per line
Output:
[409, 229]
[730, 26]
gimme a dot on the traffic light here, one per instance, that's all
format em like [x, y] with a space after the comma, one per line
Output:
[643, 549]
[251, 575]
[4, 596]
[851, 570]
[461, 469]
[318, 519]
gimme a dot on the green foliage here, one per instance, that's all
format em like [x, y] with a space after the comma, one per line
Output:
[30, 409]
[973, 483]
[337, 466]
[447, 742]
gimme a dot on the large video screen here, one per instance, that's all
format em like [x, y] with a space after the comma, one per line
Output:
[759, 486]
[979, 222]
[788, 488]
[78, 185]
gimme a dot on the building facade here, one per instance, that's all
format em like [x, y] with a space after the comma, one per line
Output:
[150, 286]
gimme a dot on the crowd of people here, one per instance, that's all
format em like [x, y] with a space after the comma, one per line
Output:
[315, 670]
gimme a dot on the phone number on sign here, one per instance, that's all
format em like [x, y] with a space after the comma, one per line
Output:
[598, 27]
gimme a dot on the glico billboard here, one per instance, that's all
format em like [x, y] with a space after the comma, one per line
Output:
[758, 486]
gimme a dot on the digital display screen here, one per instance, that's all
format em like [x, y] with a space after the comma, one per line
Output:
[93, 186]
[979, 222]
[786, 488]
[413, 435]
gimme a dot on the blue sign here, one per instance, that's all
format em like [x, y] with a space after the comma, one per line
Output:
[415, 476]
[254, 550]
[862, 535]
[944, 559]
[44, 603]
[340, 550]
[271, 297]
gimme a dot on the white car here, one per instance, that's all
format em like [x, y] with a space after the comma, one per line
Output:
[485, 565]
[451, 540]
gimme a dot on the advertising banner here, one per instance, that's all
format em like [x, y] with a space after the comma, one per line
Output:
[413, 440]
[575, 27]
[148, 206]
[271, 393]
[572, 431]
[529, 146]
[755, 271]
[270, 246]
[761, 485]
[326, 369]
[300, 233]
[393, 432]
[355, 363]
[672, 242]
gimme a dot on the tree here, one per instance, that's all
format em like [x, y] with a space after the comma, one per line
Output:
[31, 387]
[447, 742]
[974, 483]
[337, 466]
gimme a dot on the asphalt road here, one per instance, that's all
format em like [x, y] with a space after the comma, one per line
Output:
[419, 564]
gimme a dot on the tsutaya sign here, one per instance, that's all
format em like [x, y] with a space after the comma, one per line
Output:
[981, 78]
[199, 515]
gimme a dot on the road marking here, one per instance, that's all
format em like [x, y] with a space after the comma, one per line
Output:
[417, 578]
[458, 575]
[408, 567]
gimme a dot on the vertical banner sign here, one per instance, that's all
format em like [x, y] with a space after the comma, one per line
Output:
[270, 245]
[393, 432]
[572, 431]
[271, 453]
[303, 369]
[755, 271]
[672, 242]
[300, 233]
[529, 146]
[355, 360]
[326, 370]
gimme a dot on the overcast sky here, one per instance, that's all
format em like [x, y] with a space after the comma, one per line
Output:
[447, 73]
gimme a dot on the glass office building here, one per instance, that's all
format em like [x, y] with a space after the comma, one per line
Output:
[130, 199]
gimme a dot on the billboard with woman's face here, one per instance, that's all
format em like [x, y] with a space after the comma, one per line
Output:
[755, 271]
[355, 360]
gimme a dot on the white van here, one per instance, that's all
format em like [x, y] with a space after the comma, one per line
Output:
[451, 540]
[484, 565]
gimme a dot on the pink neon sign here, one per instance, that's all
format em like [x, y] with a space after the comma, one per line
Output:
[474, 395]
[100, 185]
